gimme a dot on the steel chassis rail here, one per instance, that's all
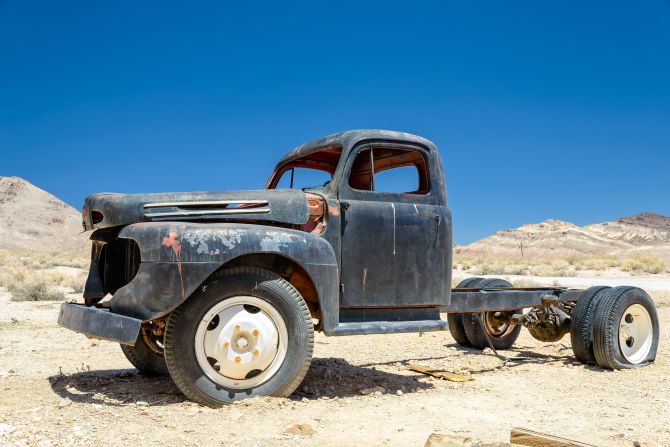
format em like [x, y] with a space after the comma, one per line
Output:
[498, 299]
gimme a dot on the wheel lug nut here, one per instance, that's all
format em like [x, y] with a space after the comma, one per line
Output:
[238, 359]
[255, 333]
[237, 327]
[255, 352]
[226, 344]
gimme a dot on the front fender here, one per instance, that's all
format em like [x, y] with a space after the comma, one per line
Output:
[178, 257]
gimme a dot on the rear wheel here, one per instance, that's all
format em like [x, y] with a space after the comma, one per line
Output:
[247, 332]
[455, 321]
[147, 354]
[466, 329]
[581, 328]
[502, 334]
[625, 329]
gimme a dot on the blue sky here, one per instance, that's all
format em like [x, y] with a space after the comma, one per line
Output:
[541, 109]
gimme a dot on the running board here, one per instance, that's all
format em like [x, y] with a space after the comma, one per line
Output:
[389, 327]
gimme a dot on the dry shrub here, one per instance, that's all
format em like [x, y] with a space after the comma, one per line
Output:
[33, 276]
[601, 263]
[35, 287]
[644, 264]
[42, 260]
[77, 283]
[13, 275]
[552, 266]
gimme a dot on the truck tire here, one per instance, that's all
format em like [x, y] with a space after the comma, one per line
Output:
[247, 332]
[625, 329]
[581, 327]
[455, 321]
[502, 336]
[147, 354]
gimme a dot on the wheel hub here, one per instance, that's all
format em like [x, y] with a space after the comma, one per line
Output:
[241, 342]
[635, 334]
[493, 324]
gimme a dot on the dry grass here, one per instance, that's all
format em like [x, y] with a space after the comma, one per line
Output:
[552, 266]
[644, 264]
[41, 260]
[35, 288]
[35, 276]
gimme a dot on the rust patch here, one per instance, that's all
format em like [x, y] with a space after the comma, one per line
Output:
[171, 241]
[333, 210]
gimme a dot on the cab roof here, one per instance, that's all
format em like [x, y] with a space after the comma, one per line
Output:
[348, 139]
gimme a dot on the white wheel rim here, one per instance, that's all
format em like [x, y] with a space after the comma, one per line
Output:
[635, 334]
[241, 342]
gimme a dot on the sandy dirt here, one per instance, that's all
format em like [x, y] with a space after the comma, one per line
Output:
[59, 388]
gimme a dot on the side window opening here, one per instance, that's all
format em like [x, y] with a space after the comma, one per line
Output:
[390, 170]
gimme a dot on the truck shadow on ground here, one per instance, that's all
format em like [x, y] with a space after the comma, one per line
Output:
[526, 355]
[327, 377]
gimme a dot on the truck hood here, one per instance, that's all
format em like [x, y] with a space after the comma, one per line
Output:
[107, 210]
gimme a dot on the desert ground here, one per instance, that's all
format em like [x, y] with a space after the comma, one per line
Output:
[60, 388]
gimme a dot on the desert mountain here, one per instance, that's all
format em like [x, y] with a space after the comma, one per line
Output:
[646, 232]
[31, 219]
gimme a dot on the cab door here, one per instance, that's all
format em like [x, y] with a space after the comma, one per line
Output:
[394, 228]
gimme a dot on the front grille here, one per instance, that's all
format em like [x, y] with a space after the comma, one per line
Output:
[119, 263]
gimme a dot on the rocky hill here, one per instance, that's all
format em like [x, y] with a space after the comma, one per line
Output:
[31, 219]
[646, 232]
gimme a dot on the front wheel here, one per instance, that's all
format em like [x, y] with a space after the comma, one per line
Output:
[247, 332]
[147, 353]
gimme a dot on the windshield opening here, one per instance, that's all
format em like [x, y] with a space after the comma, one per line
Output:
[313, 170]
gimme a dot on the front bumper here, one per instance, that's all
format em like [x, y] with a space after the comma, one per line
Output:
[99, 323]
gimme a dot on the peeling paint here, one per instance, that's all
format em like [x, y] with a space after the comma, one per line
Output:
[203, 249]
[274, 241]
[201, 239]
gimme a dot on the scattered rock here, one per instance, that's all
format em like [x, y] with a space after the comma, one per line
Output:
[5, 428]
[373, 390]
[440, 440]
[64, 403]
[302, 427]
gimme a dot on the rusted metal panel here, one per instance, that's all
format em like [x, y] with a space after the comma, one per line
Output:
[280, 206]
[178, 257]
[99, 323]
[396, 248]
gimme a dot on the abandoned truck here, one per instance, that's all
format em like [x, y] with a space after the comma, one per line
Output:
[352, 235]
